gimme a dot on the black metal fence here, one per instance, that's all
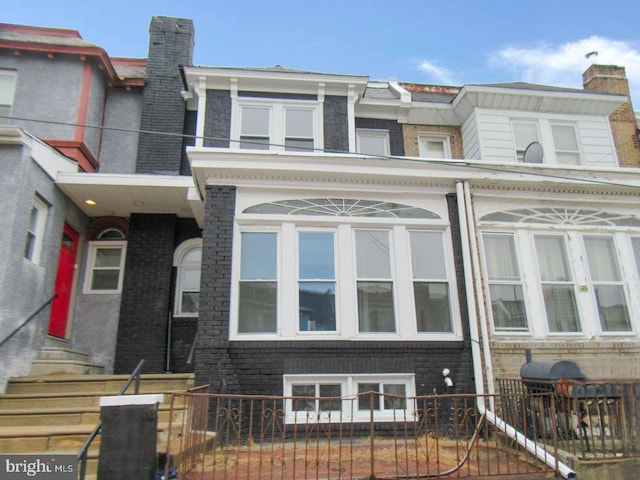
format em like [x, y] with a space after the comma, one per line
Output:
[252, 437]
[590, 419]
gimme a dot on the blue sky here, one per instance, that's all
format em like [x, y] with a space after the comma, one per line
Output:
[467, 41]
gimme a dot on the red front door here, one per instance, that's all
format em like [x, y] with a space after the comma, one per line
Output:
[64, 280]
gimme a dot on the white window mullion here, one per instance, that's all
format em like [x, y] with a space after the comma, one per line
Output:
[288, 282]
[405, 313]
[347, 305]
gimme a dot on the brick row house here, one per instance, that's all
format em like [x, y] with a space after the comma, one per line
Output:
[290, 232]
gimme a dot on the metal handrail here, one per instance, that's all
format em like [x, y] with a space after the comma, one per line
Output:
[81, 458]
[31, 317]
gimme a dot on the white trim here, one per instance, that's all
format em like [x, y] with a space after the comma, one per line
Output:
[349, 395]
[374, 134]
[121, 400]
[201, 91]
[90, 267]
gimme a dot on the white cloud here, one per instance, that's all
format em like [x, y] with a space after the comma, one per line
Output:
[562, 65]
[436, 73]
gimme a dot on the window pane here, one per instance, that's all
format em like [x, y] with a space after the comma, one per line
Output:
[255, 143]
[564, 137]
[258, 307]
[193, 256]
[259, 256]
[255, 121]
[602, 259]
[375, 307]
[560, 304]
[524, 134]
[501, 257]
[316, 256]
[105, 279]
[7, 86]
[317, 301]
[299, 123]
[307, 404]
[507, 306]
[635, 242]
[190, 279]
[612, 308]
[372, 254]
[190, 302]
[298, 145]
[427, 256]
[552, 259]
[373, 144]
[568, 158]
[398, 401]
[108, 257]
[433, 148]
[432, 307]
[370, 401]
[30, 246]
[333, 403]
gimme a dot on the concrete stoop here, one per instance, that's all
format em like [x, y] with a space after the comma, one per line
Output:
[54, 414]
[56, 358]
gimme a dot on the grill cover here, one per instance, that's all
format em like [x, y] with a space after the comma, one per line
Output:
[551, 371]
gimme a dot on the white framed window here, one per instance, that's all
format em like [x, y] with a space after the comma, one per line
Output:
[524, 134]
[374, 284]
[274, 124]
[506, 286]
[8, 80]
[565, 140]
[607, 284]
[558, 286]
[188, 262]
[635, 243]
[258, 288]
[431, 291]
[372, 141]
[431, 145]
[35, 231]
[338, 268]
[105, 266]
[316, 281]
[330, 398]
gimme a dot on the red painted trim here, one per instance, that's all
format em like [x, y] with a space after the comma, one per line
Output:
[96, 52]
[140, 62]
[50, 31]
[83, 106]
[77, 151]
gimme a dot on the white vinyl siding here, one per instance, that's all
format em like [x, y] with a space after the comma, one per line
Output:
[487, 135]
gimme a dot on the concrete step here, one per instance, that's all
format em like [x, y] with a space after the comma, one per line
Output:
[65, 367]
[98, 384]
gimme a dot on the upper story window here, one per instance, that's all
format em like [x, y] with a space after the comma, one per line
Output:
[372, 142]
[270, 124]
[580, 278]
[105, 263]
[565, 141]
[187, 259]
[340, 267]
[524, 134]
[7, 91]
[434, 145]
[35, 231]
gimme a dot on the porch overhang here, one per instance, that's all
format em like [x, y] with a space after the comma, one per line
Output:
[99, 195]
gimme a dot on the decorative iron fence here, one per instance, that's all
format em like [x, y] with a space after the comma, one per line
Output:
[252, 437]
[591, 419]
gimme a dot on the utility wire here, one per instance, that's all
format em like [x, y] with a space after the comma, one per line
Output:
[462, 163]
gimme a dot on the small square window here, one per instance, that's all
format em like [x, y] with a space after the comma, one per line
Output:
[105, 267]
[373, 142]
[434, 146]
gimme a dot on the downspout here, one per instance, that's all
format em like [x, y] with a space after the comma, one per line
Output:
[531, 446]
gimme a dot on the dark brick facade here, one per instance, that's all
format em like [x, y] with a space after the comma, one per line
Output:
[213, 364]
[188, 140]
[217, 119]
[144, 310]
[336, 124]
[163, 108]
[396, 136]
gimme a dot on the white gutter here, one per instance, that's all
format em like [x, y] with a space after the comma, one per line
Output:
[531, 446]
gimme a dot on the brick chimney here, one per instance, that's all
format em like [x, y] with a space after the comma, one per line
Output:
[613, 79]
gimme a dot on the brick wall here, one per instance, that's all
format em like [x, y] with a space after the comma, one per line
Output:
[613, 79]
[146, 291]
[336, 124]
[396, 137]
[163, 108]
[598, 359]
[217, 119]
[411, 133]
